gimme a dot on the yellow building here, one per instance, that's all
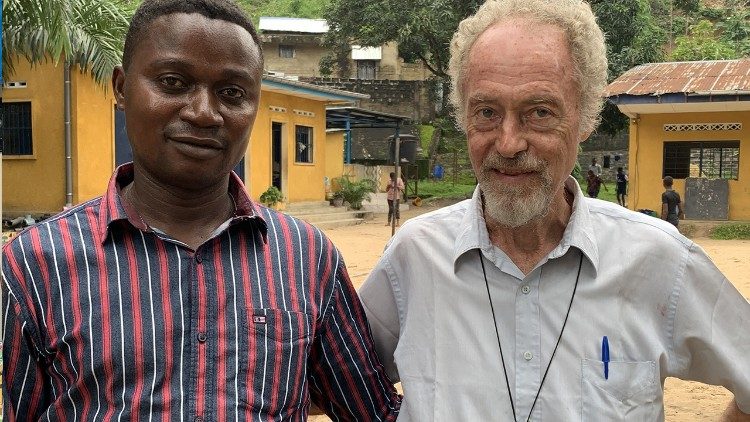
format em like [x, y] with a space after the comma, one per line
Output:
[691, 121]
[288, 147]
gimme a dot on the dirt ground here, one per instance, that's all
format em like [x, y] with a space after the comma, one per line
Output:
[362, 245]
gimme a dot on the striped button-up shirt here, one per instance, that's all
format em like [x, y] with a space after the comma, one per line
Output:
[107, 319]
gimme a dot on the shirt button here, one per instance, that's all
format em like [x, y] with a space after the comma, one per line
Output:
[526, 289]
[202, 337]
[198, 258]
[527, 355]
[198, 419]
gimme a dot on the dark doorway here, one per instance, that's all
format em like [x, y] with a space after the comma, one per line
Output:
[240, 169]
[276, 135]
[123, 153]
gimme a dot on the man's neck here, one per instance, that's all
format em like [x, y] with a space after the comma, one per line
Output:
[526, 245]
[186, 215]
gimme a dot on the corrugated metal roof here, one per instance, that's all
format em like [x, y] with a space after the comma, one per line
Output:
[298, 25]
[714, 77]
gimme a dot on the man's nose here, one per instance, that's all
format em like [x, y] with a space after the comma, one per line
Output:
[202, 109]
[511, 138]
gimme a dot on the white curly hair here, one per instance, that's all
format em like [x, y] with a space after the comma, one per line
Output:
[585, 40]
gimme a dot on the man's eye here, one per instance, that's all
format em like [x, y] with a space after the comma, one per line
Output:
[540, 113]
[233, 93]
[172, 82]
[486, 113]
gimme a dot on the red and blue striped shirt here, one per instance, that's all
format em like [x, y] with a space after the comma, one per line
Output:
[107, 319]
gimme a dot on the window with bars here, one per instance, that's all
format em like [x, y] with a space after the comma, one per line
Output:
[706, 159]
[304, 144]
[366, 69]
[286, 51]
[15, 119]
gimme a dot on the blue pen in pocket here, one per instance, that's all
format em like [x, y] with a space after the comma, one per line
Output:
[605, 356]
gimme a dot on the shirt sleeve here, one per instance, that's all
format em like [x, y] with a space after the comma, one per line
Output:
[664, 199]
[711, 337]
[25, 393]
[348, 381]
[379, 301]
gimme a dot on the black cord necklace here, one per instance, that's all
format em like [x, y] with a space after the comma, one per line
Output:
[499, 346]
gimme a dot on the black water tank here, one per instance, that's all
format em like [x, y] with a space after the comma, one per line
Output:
[407, 149]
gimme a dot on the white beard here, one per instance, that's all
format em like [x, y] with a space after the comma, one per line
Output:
[514, 206]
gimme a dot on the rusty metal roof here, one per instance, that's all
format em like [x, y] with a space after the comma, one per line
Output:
[713, 77]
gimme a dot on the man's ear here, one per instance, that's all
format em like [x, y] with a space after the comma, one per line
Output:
[118, 86]
[584, 136]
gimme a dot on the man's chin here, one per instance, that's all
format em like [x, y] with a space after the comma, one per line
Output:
[515, 209]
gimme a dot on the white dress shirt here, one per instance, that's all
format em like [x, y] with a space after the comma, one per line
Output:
[663, 305]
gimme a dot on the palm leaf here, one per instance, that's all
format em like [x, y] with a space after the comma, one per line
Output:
[86, 33]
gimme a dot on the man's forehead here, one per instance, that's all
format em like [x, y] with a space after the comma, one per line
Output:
[177, 33]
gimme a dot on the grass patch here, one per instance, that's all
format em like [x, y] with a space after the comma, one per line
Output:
[445, 189]
[606, 195]
[731, 231]
[425, 136]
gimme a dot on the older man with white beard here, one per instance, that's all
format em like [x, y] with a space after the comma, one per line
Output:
[530, 301]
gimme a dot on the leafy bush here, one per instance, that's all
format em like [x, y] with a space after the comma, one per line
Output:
[731, 231]
[271, 197]
[355, 192]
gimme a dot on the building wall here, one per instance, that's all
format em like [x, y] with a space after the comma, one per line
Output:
[308, 50]
[300, 182]
[405, 98]
[36, 184]
[306, 60]
[646, 151]
[334, 155]
[93, 137]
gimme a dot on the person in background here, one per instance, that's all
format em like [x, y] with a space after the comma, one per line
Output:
[593, 184]
[530, 301]
[671, 205]
[621, 189]
[395, 190]
[175, 297]
[595, 167]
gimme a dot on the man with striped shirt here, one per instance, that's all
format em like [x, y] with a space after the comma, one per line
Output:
[174, 296]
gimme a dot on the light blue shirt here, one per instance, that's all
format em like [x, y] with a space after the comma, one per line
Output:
[664, 306]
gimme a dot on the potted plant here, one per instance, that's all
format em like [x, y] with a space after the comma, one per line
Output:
[355, 192]
[337, 198]
[272, 198]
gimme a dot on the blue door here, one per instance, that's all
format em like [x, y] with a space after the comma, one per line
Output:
[123, 153]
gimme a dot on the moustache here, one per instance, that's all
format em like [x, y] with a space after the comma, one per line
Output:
[522, 163]
[188, 130]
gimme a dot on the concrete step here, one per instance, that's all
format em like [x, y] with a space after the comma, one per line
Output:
[322, 215]
[338, 223]
[295, 207]
[332, 216]
[378, 204]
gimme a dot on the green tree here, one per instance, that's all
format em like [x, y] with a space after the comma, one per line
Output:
[84, 33]
[633, 37]
[702, 44]
[735, 30]
[422, 28]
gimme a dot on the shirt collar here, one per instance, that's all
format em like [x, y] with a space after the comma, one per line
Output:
[579, 232]
[114, 210]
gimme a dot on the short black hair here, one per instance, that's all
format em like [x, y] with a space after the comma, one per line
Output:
[668, 181]
[149, 10]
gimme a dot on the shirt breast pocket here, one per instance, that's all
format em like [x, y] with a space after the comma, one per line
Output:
[277, 343]
[630, 394]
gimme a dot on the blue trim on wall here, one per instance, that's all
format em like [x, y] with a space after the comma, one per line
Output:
[309, 91]
[678, 98]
